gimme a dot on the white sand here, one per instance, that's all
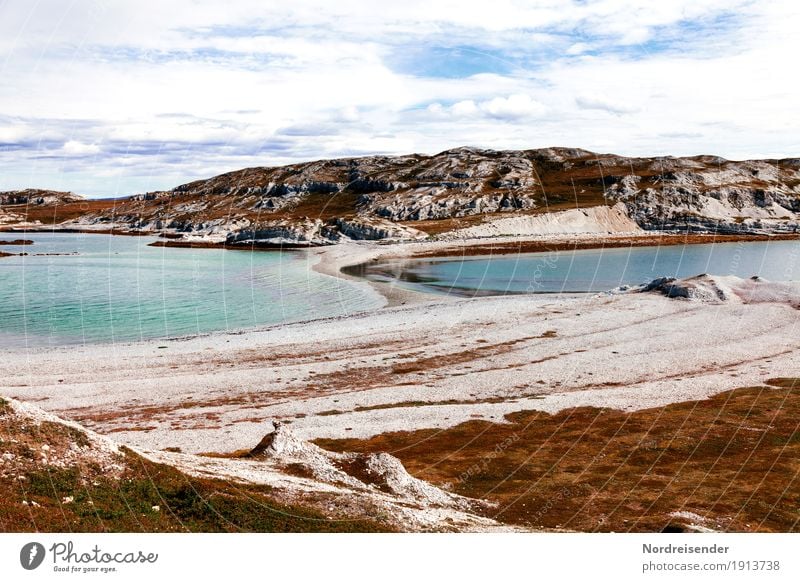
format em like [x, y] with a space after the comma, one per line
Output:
[476, 358]
[594, 220]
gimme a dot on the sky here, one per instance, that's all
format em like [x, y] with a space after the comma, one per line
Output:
[114, 97]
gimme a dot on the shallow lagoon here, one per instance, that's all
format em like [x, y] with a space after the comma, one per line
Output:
[87, 288]
[587, 270]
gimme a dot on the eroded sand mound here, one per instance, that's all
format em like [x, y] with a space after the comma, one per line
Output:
[597, 219]
[379, 471]
[714, 289]
[758, 290]
[701, 288]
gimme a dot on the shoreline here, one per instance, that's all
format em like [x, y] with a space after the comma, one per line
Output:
[431, 365]
[501, 246]
[334, 259]
[446, 247]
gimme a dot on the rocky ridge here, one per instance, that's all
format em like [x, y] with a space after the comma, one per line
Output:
[463, 189]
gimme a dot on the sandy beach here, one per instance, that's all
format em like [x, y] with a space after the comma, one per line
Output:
[423, 361]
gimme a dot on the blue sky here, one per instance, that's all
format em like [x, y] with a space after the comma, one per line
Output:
[116, 97]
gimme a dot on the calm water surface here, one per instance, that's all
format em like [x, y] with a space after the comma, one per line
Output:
[101, 288]
[85, 288]
[588, 270]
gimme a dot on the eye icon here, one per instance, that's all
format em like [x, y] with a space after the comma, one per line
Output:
[31, 555]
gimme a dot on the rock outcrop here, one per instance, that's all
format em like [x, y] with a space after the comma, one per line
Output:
[715, 289]
[723, 197]
[700, 288]
[32, 439]
[378, 472]
[330, 201]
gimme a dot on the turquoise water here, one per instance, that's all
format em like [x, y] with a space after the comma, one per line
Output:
[588, 270]
[116, 288]
[82, 288]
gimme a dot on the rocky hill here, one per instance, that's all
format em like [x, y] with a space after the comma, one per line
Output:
[35, 196]
[414, 196]
[36, 207]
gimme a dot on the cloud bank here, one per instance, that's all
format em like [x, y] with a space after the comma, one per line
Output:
[112, 98]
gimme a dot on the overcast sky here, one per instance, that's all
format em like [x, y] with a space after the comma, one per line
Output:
[112, 97]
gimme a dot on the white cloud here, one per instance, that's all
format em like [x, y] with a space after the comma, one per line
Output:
[636, 35]
[466, 108]
[265, 83]
[605, 104]
[162, 25]
[436, 109]
[578, 48]
[13, 133]
[513, 107]
[349, 113]
[76, 148]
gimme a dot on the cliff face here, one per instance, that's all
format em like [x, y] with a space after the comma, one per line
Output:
[327, 201]
[707, 194]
